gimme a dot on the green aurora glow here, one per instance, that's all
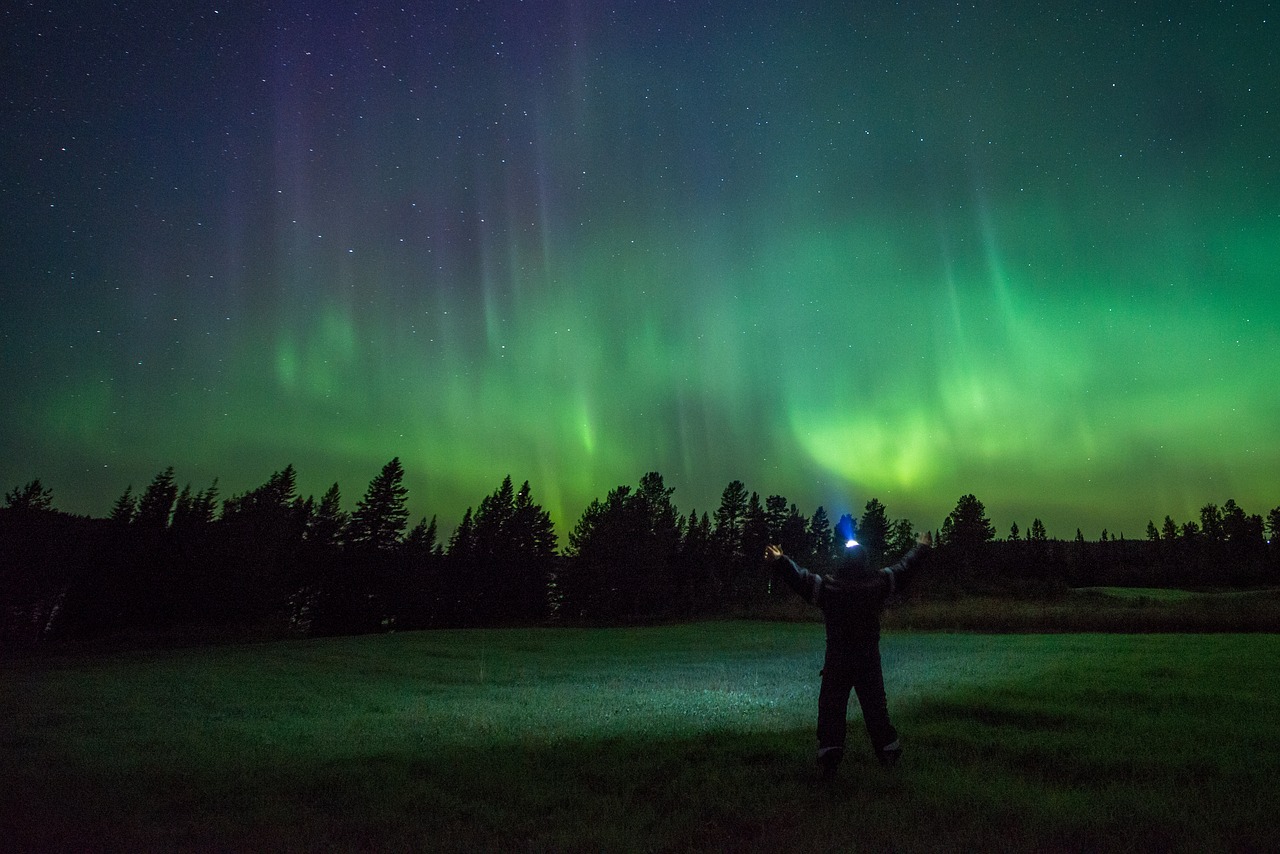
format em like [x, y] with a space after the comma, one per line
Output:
[837, 256]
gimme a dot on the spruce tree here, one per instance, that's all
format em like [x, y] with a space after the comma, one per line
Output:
[696, 565]
[156, 505]
[775, 512]
[193, 510]
[380, 517]
[729, 519]
[328, 520]
[967, 526]
[657, 545]
[966, 532]
[1211, 524]
[492, 523]
[462, 544]
[33, 496]
[421, 541]
[795, 534]
[595, 583]
[821, 543]
[751, 580]
[873, 530]
[534, 546]
[902, 539]
[125, 508]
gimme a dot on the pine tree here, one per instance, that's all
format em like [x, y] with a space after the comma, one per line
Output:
[380, 517]
[462, 544]
[1211, 524]
[821, 540]
[729, 519]
[511, 542]
[492, 522]
[623, 555]
[775, 512]
[794, 536]
[657, 545]
[421, 540]
[156, 505]
[534, 549]
[873, 530]
[265, 570]
[596, 581]
[660, 516]
[536, 532]
[902, 539]
[696, 563]
[967, 526]
[422, 597]
[328, 521]
[182, 508]
[278, 493]
[125, 508]
[34, 496]
[194, 510]
[205, 506]
[751, 579]
[966, 532]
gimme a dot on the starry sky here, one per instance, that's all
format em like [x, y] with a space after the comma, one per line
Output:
[904, 250]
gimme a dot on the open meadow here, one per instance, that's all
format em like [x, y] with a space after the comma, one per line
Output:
[691, 737]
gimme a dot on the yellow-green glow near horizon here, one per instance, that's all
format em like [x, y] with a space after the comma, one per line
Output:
[836, 255]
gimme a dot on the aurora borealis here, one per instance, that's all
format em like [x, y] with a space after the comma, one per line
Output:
[904, 250]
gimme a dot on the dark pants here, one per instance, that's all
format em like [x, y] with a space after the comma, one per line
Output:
[856, 668]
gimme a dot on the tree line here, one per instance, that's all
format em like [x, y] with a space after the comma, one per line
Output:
[271, 561]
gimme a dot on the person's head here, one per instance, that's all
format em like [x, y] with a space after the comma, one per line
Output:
[852, 563]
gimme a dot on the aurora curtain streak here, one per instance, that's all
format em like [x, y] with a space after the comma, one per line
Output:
[908, 253]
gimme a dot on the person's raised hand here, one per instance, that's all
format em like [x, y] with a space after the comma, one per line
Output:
[772, 553]
[925, 538]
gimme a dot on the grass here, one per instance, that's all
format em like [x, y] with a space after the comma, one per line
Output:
[1098, 609]
[1151, 594]
[694, 737]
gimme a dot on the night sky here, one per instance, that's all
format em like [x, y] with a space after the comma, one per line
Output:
[834, 250]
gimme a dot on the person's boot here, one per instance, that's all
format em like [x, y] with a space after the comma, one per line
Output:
[890, 753]
[829, 760]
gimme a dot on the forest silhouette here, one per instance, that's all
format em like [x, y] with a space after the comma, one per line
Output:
[272, 563]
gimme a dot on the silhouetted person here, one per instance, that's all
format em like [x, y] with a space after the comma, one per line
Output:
[851, 598]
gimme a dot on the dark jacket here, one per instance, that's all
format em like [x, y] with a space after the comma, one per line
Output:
[853, 595]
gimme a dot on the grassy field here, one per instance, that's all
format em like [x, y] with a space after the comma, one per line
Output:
[1098, 609]
[694, 737]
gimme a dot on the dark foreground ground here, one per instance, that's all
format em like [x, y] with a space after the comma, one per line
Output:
[693, 737]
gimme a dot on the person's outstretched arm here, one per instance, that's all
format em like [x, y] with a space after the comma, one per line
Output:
[901, 572]
[799, 579]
